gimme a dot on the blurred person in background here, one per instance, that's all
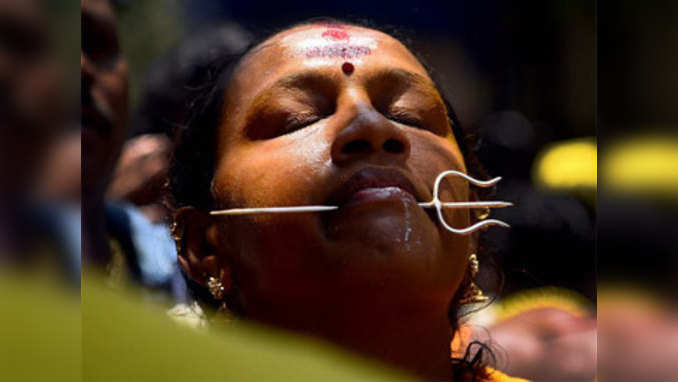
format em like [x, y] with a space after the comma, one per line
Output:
[169, 89]
[104, 118]
[141, 175]
[36, 229]
[39, 233]
[117, 238]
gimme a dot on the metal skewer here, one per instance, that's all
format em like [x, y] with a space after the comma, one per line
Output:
[435, 203]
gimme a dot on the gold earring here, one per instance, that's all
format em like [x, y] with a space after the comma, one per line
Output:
[218, 291]
[473, 295]
[216, 287]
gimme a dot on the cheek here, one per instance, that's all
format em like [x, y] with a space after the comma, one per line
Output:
[278, 172]
[430, 156]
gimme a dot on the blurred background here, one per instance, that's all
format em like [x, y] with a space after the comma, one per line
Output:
[637, 231]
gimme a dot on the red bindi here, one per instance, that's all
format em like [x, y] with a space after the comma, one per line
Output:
[347, 68]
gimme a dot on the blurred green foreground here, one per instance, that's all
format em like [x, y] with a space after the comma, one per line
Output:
[48, 334]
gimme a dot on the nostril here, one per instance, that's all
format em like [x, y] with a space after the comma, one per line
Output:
[393, 146]
[357, 147]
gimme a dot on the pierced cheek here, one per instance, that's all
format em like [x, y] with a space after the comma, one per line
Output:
[457, 218]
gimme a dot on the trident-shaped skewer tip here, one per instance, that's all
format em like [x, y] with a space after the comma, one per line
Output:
[435, 203]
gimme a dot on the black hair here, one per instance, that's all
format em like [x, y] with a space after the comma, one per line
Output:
[193, 164]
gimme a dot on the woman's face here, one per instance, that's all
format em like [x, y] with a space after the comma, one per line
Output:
[302, 127]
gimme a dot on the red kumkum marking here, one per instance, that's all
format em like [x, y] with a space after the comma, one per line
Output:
[335, 34]
[338, 50]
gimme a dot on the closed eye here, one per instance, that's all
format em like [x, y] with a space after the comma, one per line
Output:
[299, 121]
[404, 117]
[290, 104]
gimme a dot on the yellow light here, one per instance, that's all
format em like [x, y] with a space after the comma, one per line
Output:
[568, 165]
[642, 164]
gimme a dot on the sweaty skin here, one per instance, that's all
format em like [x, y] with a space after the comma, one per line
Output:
[378, 274]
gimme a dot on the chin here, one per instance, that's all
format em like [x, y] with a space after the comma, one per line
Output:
[409, 259]
[388, 230]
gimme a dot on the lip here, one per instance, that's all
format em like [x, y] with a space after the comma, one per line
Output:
[373, 185]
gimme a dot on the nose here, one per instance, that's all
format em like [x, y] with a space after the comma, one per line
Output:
[370, 136]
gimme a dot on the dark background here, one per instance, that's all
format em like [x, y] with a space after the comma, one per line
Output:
[637, 88]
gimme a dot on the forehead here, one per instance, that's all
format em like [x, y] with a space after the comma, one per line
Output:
[323, 45]
[340, 41]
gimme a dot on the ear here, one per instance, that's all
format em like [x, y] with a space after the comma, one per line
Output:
[196, 236]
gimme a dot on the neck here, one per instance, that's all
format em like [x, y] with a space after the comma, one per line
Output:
[415, 340]
[419, 344]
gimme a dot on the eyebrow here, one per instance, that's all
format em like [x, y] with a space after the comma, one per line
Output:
[299, 80]
[402, 79]
[306, 80]
[314, 80]
[404, 76]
